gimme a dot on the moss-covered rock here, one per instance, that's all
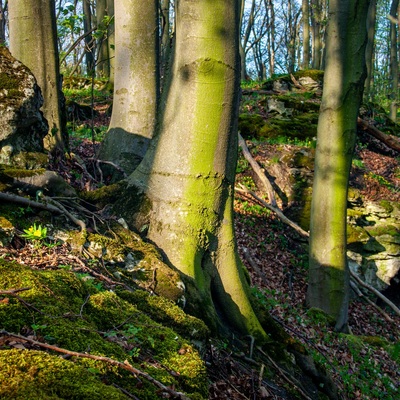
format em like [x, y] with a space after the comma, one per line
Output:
[73, 312]
[250, 125]
[31, 374]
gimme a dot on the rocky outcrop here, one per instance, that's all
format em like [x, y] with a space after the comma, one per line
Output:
[22, 125]
[374, 240]
[373, 228]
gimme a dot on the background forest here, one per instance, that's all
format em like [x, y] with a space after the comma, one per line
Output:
[210, 207]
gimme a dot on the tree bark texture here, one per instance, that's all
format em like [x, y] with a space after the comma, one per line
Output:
[370, 50]
[33, 41]
[103, 58]
[306, 34]
[343, 86]
[188, 173]
[136, 83]
[394, 62]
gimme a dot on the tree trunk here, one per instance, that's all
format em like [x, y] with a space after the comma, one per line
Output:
[271, 36]
[3, 21]
[33, 42]
[136, 86]
[369, 51]
[188, 173]
[243, 42]
[103, 58]
[89, 45]
[111, 42]
[306, 34]
[343, 85]
[394, 64]
[165, 50]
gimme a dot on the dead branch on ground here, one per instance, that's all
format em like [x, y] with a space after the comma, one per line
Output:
[276, 210]
[13, 198]
[376, 292]
[376, 133]
[258, 170]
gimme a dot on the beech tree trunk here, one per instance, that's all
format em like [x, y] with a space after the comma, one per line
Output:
[306, 34]
[370, 49]
[188, 173]
[394, 62]
[33, 41]
[136, 83]
[343, 87]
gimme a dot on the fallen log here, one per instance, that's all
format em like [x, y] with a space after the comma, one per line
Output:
[376, 133]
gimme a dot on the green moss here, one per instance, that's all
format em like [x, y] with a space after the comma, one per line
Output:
[5, 223]
[380, 230]
[61, 308]
[315, 74]
[22, 173]
[356, 234]
[37, 375]
[302, 127]
[387, 205]
[319, 317]
[250, 125]
[300, 104]
[30, 160]
[8, 82]
[165, 311]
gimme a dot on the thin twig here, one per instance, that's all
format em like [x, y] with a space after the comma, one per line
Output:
[125, 365]
[258, 170]
[11, 292]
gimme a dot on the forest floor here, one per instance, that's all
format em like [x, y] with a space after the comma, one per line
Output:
[276, 258]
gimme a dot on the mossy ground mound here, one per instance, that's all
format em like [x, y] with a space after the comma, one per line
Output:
[62, 308]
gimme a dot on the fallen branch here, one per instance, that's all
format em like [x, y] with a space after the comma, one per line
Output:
[13, 198]
[385, 315]
[11, 292]
[376, 133]
[125, 365]
[258, 170]
[247, 92]
[276, 210]
[376, 292]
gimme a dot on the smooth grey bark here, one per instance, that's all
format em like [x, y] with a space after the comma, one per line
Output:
[136, 83]
[188, 172]
[33, 41]
[245, 38]
[343, 87]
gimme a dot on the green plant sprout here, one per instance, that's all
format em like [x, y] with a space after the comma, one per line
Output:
[35, 233]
